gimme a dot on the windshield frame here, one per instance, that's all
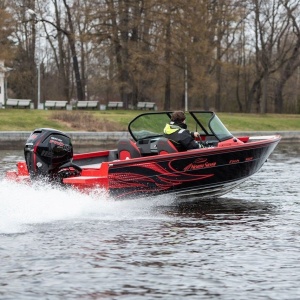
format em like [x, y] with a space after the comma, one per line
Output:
[210, 125]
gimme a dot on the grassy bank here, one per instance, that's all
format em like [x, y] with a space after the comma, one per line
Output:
[117, 120]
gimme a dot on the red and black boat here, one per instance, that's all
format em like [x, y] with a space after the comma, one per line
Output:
[149, 164]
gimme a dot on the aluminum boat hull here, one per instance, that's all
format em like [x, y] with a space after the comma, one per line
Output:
[207, 172]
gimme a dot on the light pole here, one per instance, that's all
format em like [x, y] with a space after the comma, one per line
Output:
[33, 14]
[185, 84]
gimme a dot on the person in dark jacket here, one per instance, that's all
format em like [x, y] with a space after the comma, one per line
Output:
[176, 131]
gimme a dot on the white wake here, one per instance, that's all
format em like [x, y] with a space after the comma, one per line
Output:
[21, 205]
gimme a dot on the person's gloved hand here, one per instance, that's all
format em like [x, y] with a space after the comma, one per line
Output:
[196, 134]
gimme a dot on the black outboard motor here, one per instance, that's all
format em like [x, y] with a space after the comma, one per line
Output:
[48, 153]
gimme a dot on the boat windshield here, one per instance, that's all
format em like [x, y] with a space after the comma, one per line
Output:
[148, 125]
[151, 125]
[212, 125]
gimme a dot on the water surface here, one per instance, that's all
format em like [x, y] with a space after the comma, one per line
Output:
[59, 244]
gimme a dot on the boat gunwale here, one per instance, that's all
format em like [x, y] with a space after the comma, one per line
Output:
[202, 151]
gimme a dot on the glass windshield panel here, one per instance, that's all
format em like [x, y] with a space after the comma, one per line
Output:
[148, 125]
[204, 118]
[219, 129]
[212, 125]
[191, 123]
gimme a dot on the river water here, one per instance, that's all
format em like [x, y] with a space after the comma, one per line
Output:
[58, 244]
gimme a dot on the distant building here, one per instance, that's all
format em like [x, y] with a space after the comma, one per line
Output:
[3, 76]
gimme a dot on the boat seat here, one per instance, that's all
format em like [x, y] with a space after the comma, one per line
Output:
[165, 146]
[127, 149]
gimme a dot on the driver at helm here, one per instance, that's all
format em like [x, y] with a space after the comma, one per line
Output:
[176, 131]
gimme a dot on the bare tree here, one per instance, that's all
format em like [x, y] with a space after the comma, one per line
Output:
[291, 49]
[272, 29]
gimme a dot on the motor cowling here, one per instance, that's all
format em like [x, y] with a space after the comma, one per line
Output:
[46, 152]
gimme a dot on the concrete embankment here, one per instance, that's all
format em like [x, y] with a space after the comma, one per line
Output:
[16, 139]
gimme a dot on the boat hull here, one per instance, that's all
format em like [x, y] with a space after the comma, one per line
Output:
[209, 172]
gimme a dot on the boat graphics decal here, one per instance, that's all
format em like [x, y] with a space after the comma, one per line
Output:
[150, 177]
[200, 163]
[173, 174]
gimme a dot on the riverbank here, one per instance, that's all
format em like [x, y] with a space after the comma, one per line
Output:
[118, 120]
[17, 139]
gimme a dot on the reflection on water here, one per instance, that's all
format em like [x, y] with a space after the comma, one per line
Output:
[221, 208]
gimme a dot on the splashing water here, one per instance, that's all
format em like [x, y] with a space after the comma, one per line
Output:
[24, 204]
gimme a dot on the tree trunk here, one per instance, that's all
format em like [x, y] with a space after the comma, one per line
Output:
[70, 36]
[237, 91]
[167, 102]
[61, 61]
[264, 99]
[252, 93]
